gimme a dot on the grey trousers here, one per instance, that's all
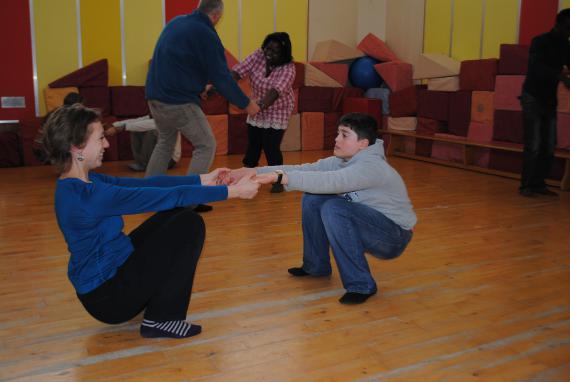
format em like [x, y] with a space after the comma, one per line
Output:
[192, 123]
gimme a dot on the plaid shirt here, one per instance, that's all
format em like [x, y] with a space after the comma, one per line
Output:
[281, 79]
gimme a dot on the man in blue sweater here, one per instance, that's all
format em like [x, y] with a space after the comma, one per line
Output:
[188, 55]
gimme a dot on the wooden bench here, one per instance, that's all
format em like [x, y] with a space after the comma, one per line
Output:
[397, 142]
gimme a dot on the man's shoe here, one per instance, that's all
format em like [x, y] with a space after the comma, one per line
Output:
[544, 191]
[136, 167]
[527, 193]
[277, 188]
[203, 208]
[353, 298]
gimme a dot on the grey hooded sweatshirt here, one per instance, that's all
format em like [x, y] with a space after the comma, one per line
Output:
[365, 178]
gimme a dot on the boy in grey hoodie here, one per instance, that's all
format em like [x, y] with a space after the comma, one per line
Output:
[354, 202]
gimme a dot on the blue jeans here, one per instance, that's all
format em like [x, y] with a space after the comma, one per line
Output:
[350, 229]
[539, 123]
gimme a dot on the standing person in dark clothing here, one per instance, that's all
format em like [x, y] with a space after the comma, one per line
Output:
[549, 59]
[189, 54]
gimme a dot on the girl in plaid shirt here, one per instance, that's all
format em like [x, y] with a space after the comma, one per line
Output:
[271, 72]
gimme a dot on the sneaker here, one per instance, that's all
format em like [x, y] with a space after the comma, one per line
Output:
[353, 298]
[277, 188]
[298, 272]
[136, 167]
[203, 208]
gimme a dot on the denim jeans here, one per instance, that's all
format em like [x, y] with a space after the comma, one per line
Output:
[539, 122]
[350, 229]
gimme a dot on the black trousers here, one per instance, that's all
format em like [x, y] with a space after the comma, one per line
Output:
[539, 122]
[158, 276]
[267, 139]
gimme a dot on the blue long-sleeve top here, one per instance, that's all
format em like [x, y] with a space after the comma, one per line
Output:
[90, 217]
[188, 54]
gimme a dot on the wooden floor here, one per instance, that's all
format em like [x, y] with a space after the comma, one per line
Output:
[481, 294]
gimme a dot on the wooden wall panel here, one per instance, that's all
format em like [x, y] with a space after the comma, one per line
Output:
[437, 28]
[332, 19]
[371, 18]
[143, 24]
[405, 28]
[16, 75]
[101, 35]
[501, 23]
[467, 29]
[292, 17]
[57, 51]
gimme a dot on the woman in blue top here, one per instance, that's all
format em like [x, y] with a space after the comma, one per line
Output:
[116, 276]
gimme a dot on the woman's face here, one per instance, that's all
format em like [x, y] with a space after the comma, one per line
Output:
[95, 146]
[272, 52]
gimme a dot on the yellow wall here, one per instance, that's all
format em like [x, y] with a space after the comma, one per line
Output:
[437, 28]
[292, 18]
[56, 42]
[564, 4]
[501, 20]
[257, 22]
[467, 28]
[101, 35]
[228, 27]
[143, 24]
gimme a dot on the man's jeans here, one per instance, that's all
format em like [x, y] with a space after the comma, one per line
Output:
[539, 123]
[350, 229]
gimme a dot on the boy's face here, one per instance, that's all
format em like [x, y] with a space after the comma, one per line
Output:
[347, 143]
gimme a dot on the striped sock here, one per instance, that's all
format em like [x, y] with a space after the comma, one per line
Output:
[170, 329]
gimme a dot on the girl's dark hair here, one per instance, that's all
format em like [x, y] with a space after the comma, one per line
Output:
[65, 127]
[282, 38]
[362, 124]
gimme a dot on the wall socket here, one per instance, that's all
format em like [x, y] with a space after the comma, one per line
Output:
[13, 102]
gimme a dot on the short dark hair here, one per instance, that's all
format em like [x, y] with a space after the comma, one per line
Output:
[209, 6]
[281, 38]
[362, 124]
[72, 98]
[65, 127]
[563, 15]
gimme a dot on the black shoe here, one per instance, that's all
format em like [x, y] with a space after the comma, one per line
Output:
[203, 208]
[298, 272]
[544, 191]
[277, 188]
[527, 193]
[352, 298]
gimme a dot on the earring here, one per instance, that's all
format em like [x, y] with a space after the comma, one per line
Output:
[80, 157]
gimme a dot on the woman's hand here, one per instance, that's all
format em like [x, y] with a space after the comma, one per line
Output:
[220, 176]
[236, 175]
[246, 188]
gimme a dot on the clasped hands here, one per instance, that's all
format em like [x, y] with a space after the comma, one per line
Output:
[243, 183]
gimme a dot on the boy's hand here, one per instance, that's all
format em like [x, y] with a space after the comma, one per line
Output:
[220, 176]
[246, 188]
[270, 177]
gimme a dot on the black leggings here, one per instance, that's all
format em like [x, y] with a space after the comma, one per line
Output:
[267, 139]
[157, 277]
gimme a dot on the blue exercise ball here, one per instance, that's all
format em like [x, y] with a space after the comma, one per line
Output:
[363, 75]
